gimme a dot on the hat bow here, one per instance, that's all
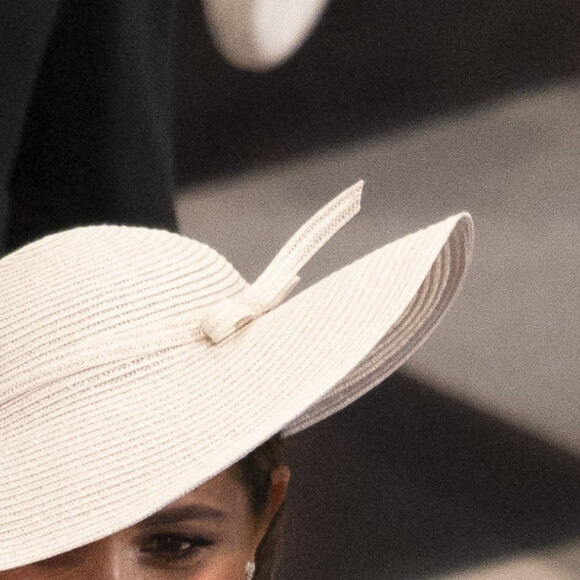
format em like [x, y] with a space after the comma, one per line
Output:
[281, 276]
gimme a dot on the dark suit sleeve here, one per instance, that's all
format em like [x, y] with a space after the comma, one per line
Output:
[25, 27]
[96, 146]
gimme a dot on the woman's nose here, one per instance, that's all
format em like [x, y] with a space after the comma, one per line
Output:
[109, 559]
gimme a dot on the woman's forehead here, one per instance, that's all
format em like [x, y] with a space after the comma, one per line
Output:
[220, 497]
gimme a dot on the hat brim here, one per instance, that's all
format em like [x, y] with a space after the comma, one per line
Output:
[123, 449]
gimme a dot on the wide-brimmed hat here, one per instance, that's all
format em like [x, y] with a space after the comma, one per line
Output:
[135, 364]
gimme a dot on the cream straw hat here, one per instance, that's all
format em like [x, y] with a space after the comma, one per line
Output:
[135, 364]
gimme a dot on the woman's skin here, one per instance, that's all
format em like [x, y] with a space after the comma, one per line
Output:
[208, 534]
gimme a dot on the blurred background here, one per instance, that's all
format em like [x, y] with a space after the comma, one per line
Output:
[466, 464]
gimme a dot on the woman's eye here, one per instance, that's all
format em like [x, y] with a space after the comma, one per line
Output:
[171, 547]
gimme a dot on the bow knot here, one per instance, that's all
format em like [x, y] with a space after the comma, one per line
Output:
[232, 313]
[280, 277]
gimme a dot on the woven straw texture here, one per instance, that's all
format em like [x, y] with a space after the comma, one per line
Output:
[114, 401]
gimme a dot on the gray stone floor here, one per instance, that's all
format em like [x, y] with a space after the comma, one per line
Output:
[562, 563]
[510, 343]
[465, 466]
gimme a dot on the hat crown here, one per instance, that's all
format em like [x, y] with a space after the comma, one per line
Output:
[69, 288]
[98, 295]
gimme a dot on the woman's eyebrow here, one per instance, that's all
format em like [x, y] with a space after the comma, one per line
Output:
[172, 515]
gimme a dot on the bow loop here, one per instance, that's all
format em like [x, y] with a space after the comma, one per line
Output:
[281, 276]
[228, 316]
[231, 314]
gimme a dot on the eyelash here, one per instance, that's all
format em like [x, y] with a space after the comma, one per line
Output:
[167, 554]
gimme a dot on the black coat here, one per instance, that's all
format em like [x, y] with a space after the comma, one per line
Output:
[85, 116]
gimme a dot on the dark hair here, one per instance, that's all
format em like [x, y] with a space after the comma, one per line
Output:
[255, 470]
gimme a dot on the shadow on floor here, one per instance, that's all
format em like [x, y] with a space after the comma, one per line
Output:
[407, 483]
